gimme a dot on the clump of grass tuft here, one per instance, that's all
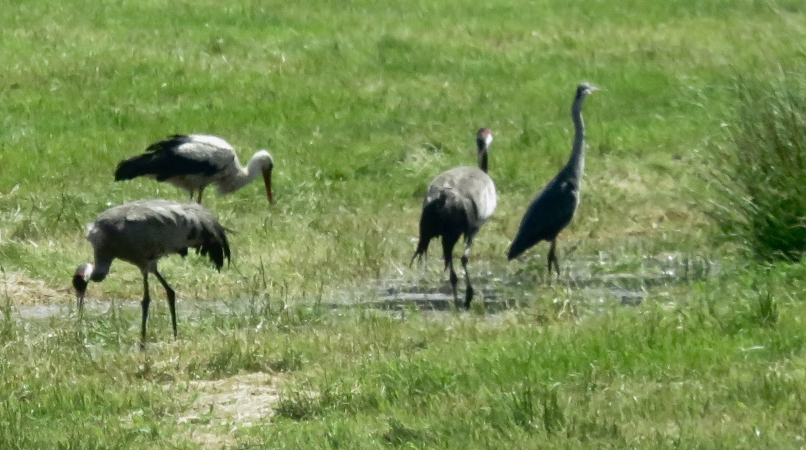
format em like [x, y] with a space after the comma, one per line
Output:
[308, 404]
[528, 414]
[760, 197]
[766, 309]
[400, 435]
[6, 322]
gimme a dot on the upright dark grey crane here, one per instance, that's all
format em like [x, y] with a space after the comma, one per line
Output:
[141, 233]
[194, 161]
[458, 202]
[554, 207]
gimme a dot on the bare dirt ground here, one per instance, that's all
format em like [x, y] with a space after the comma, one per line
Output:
[220, 407]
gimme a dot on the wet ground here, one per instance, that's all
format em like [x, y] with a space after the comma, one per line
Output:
[183, 309]
[592, 282]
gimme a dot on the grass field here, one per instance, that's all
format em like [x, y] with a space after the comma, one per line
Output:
[362, 103]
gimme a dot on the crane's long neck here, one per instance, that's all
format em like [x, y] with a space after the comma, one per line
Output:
[483, 158]
[576, 163]
[241, 176]
[99, 270]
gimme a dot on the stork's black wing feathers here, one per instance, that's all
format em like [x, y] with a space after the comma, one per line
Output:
[167, 144]
[162, 160]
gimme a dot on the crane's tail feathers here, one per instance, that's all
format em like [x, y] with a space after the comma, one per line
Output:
[513, 253]
[430, 226]
[522, 242]
[422, 250]
[215, 245]
[516, 249]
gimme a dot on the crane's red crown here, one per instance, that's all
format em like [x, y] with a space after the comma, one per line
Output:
[484, 138]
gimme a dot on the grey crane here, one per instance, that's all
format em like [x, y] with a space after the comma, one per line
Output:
[458, 202]
[194, 161]
[554, 207]
[141, 233]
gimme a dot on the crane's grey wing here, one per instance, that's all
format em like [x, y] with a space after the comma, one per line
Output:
[469, 183]
[483, 195]
[142, 232]
[546, 216]
[467, 196]
[477, 188]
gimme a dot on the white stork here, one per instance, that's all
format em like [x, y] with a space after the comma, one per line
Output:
[141, 233]
[458, 202]
[194, 161]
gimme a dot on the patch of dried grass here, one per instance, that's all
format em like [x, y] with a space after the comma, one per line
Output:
[23, 290]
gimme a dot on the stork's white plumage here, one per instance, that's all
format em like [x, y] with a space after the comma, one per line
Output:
[458, 202]
[194, 161]
[143, 232]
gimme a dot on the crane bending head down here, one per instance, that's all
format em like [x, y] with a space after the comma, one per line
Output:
[143, 232]
[80, 281]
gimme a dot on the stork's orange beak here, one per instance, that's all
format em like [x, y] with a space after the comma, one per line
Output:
[267, 182]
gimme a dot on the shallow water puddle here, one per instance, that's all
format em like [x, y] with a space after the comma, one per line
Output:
[595, 280]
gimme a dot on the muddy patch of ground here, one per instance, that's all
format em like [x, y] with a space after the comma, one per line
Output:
[219, 407]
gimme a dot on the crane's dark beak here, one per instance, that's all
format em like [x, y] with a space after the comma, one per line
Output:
[80, 284]
[267, 182]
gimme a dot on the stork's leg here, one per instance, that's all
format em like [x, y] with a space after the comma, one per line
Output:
[200, 195]
[469, 288]
[171, 299]
[145, 303]
[190, 200]
[553, 258]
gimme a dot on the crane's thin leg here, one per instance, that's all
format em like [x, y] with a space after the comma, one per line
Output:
[553, 258]
[190, 200]
[469, 290]
[171, 300]
[200, 195]
[145, 303]
[454, 281]
[447, 253]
